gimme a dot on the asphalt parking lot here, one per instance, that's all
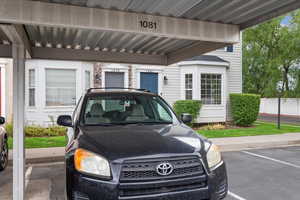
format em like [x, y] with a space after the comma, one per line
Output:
[253, 175]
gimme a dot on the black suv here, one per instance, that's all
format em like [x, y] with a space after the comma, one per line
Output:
[127, 144]
[3, 145]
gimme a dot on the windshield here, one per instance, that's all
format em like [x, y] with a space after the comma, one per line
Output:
[126, 109]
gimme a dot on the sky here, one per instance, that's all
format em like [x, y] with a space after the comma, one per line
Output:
[286, 20]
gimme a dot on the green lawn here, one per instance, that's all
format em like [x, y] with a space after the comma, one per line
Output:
[42, 142]
[260, 128]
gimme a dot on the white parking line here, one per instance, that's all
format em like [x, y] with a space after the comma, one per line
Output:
[235, 196]
[27, 175]
[272, 159]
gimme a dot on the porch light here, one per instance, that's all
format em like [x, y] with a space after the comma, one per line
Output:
[166, 80]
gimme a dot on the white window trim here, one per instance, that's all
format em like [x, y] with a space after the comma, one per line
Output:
[30, 108]
[189, 70]
[188, 89]
[91, 79]
[149, 69]
[115, 68]
[28, 88]
[40, 66]
[77, 89]
[211, 70]
[197, 70]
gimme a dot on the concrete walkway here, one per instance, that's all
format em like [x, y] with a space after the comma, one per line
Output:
[46, 155]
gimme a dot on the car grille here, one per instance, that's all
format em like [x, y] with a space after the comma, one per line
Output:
[144, 170]
[139, 177]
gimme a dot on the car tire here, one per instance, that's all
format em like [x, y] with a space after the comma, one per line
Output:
[4, 155]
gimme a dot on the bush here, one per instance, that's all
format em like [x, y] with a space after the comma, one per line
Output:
[9, 129]
[244, 108]
[188, 106]
[39, 131]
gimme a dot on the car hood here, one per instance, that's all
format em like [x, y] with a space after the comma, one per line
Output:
[124, 141]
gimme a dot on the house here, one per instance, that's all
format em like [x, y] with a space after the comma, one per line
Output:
[210, 78]
[52, 88]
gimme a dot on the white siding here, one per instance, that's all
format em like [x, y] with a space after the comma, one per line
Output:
[234, 72]
[171, 91]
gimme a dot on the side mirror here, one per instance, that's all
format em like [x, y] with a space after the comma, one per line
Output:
[186, 118]
[64, 120]
[2, 120]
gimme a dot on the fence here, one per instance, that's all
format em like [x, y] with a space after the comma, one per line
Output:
[289, 106]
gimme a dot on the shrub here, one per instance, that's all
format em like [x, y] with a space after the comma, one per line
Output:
[188, 106]
[244, 108]
[9, 129]
[39, 131]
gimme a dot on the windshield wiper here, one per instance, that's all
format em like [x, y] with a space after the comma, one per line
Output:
[100, 124]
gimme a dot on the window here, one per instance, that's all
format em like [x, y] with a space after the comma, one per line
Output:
[211, 85]
[60, 87]
[163, 114]
[31, 86]
[87, 79]
[229, 48]
[188, 86]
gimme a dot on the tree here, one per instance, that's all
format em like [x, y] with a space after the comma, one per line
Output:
[271, 54]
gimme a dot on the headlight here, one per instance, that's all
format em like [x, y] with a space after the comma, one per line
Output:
[213, 156]
[91, 163]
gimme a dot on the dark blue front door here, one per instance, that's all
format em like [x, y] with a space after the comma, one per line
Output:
[149, 81]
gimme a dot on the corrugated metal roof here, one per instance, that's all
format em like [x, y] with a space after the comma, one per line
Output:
[58, 37]
[239, 12]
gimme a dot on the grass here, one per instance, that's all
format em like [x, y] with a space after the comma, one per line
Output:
[259, 128]
[42, 142]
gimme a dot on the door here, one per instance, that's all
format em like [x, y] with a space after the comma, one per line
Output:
[114, 79]
[149, 81]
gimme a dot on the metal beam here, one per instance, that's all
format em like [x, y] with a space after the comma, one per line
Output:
[195, 50]
[16, 34]
[50, 14]
[96, 56]
[270, 15]
[18, 119]
[5, 51]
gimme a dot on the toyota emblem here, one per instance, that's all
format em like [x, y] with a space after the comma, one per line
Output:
[164, 169]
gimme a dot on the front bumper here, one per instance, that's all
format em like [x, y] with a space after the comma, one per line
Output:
[82, 187]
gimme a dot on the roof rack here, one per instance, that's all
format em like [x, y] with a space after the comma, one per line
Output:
[120, 88]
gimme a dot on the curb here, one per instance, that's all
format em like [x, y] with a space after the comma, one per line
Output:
[41, 160]
[257, 145]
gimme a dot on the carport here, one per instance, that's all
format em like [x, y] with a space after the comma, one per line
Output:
[157, 32]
